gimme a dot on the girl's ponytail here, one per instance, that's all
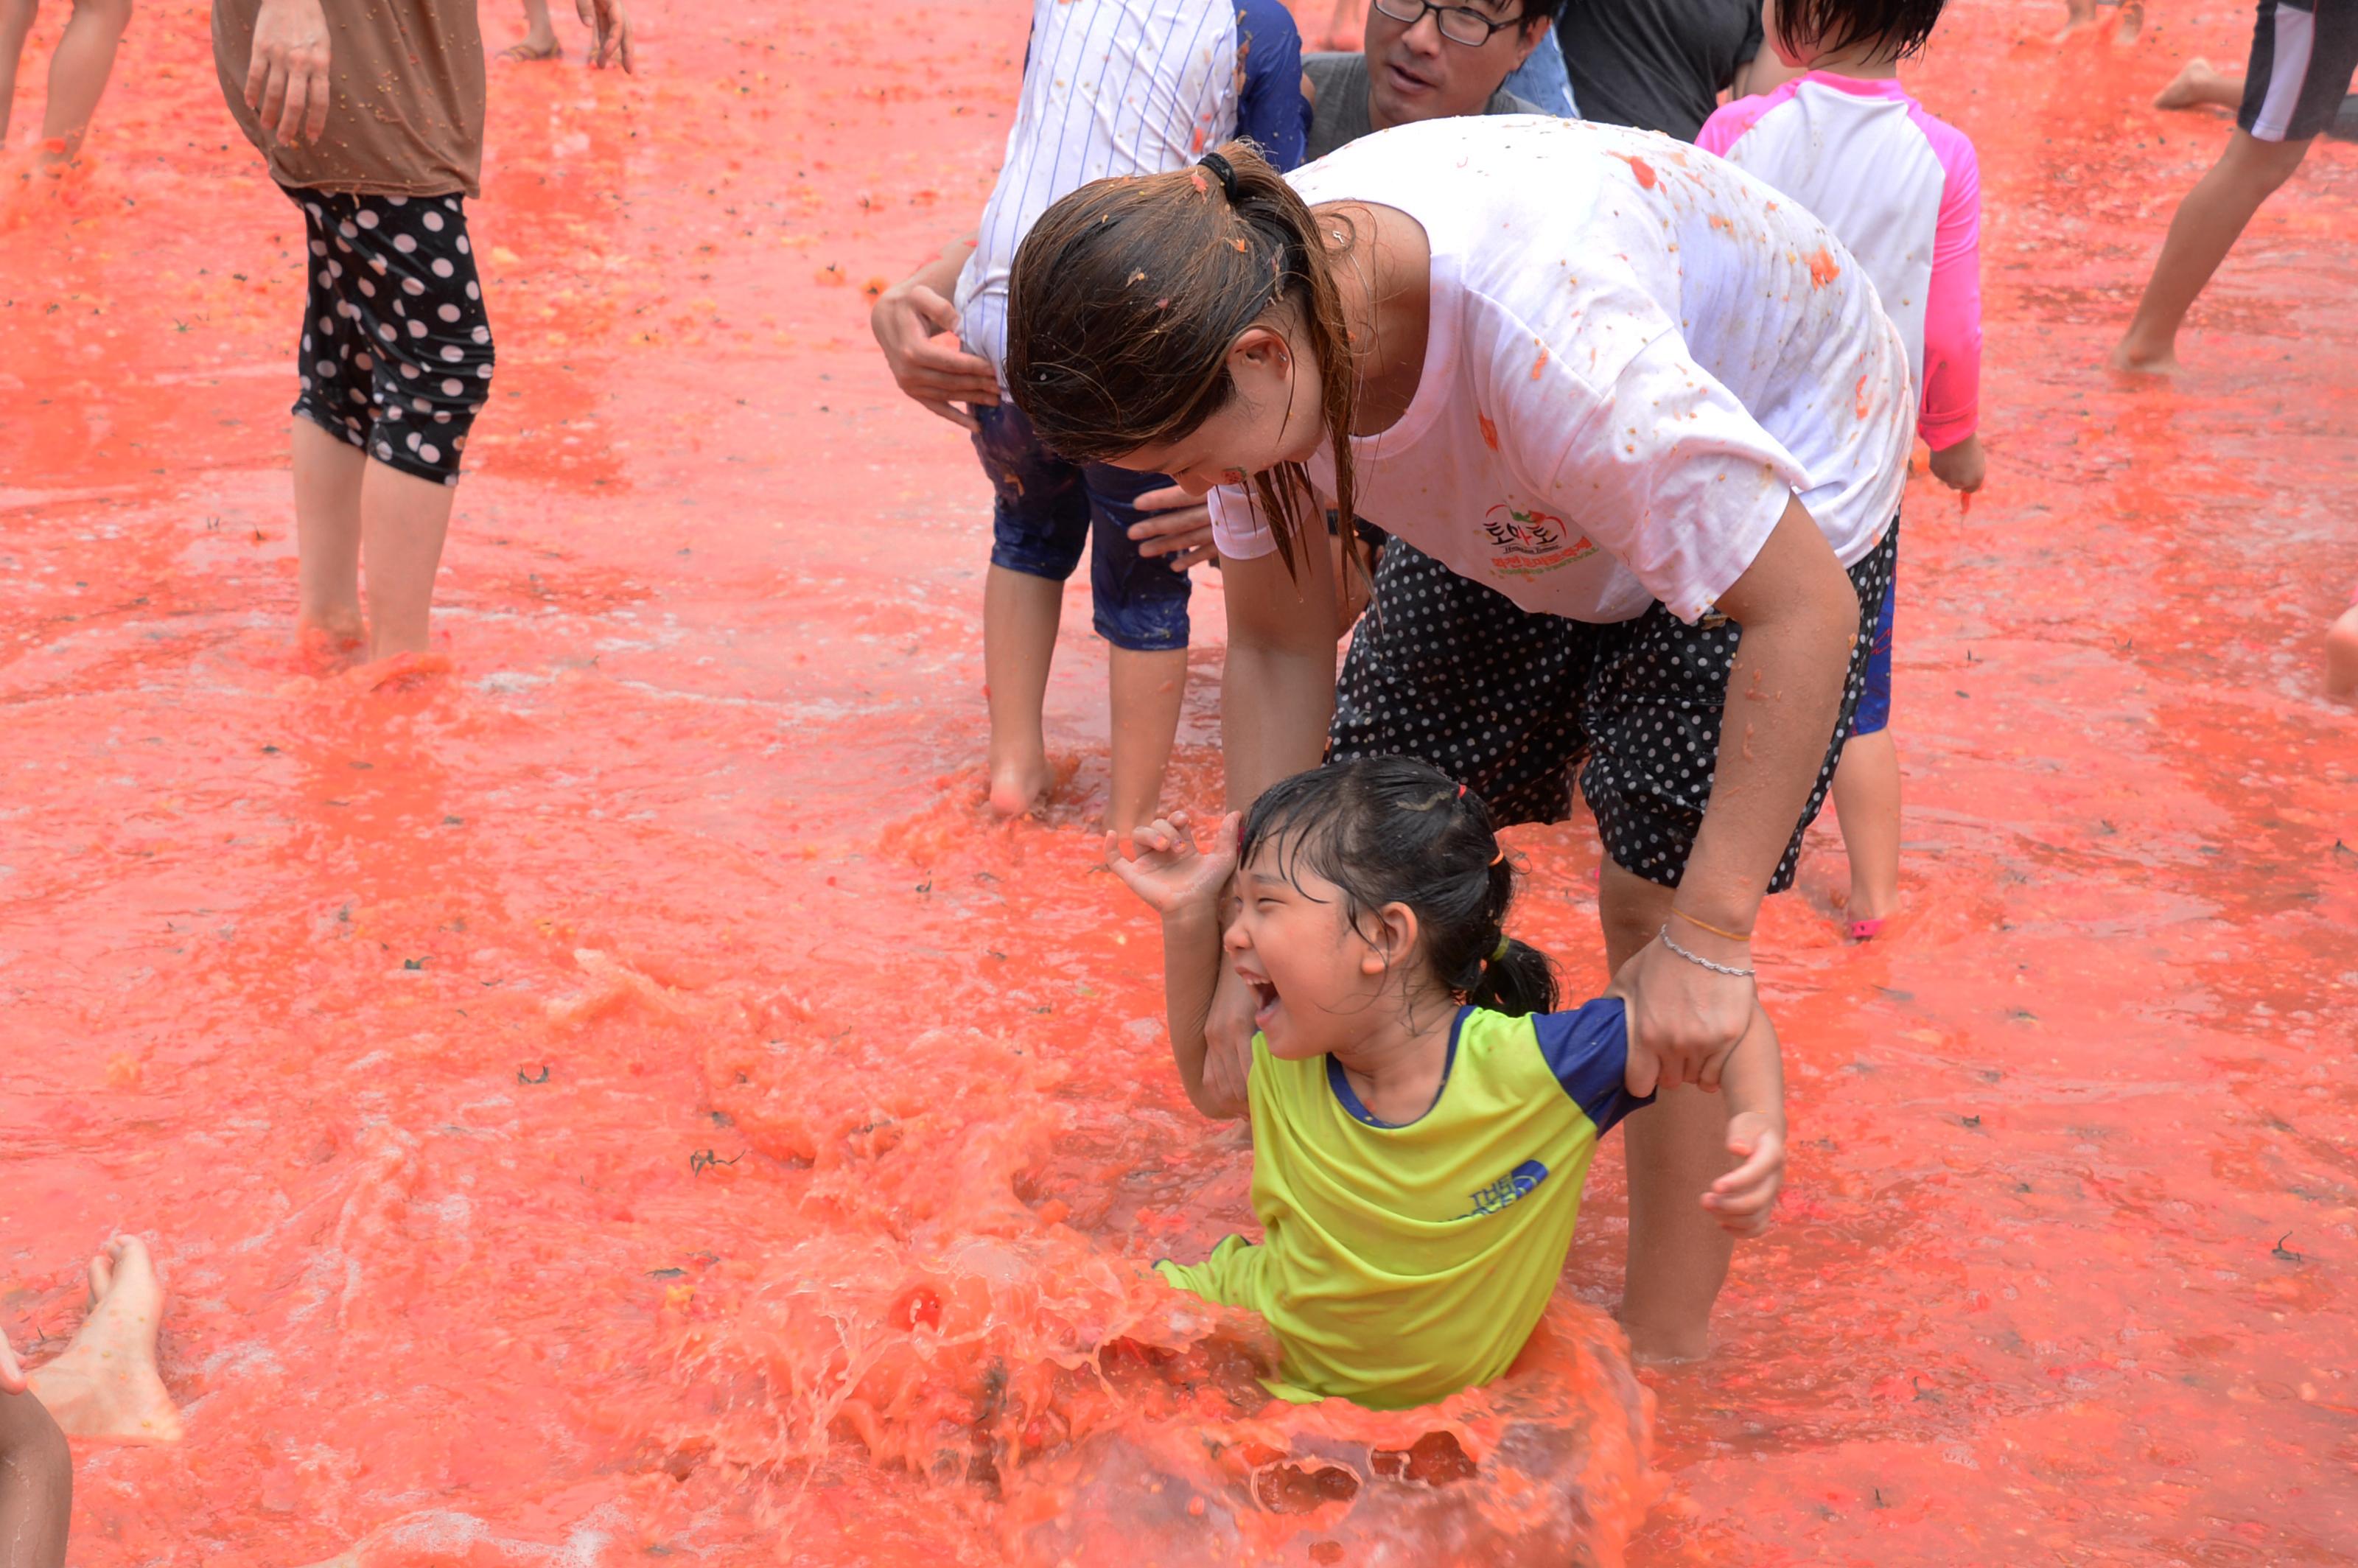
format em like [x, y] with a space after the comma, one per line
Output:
[1521, 980]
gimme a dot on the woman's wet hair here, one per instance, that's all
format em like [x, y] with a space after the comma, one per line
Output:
[1827, 26]
[1395, 831]
[1128, 294]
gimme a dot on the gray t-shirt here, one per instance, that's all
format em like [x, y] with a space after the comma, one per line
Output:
[1341, 117]
[1656, 64]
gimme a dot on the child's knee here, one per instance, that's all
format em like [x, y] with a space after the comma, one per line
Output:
[2266, 165]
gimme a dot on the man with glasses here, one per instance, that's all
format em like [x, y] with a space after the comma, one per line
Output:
[1424, 61]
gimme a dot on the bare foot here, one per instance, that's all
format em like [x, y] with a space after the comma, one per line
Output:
[2193, 85]
[2132, 23]
[105, 1383]
[1863, 906]
[2077, 14]
[534, 45]
[331, 645]
[2342, 656]
[2136, 359]
[1020, 788]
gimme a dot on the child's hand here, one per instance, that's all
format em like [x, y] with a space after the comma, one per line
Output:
[1742, 1199]
[1171, 873]
[1961, 467]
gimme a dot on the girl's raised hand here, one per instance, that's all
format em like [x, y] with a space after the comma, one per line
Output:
[1170, 873]
[1742, 1199]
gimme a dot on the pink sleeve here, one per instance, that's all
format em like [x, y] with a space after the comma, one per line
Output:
[1952, 302]
[1731, 120]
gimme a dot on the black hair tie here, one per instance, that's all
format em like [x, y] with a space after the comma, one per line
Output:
[1222, 170]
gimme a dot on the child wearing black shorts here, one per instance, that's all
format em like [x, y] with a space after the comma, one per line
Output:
[2303, 55]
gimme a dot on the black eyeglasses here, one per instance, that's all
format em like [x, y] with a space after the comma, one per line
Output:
[1459, 23]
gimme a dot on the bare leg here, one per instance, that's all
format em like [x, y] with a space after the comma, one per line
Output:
[403, 520]
[36, 1485]
[2342, 656]
[105, 1384]
[2198, 83]
[1676, 1148]
[78, 71]
[1866, 799]
[1020, 613]
[1145, 690]
[328, 537]
[540, 35]
[15, 26]
[2208, 223]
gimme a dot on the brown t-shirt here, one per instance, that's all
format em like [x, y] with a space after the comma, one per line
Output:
[407, 116]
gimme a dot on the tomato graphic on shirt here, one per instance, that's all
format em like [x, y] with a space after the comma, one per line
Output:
[1526, 542]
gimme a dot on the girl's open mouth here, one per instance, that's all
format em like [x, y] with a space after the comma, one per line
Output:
[1264, 1002]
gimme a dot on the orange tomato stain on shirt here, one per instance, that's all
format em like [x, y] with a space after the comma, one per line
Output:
[1540, 363]
[1491, 431]
[1859, 404]
[1824, 269]
[1641, 167]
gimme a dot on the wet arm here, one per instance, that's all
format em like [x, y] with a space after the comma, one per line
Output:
[1191, 972]
[1753, 1079]
[1754, 1084]
[941, 274]
[1800, 616]
[1279, 690]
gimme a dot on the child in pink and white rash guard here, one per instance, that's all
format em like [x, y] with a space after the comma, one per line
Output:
[1902, 190]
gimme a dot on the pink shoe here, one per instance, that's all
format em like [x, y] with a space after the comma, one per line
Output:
[1864, 930]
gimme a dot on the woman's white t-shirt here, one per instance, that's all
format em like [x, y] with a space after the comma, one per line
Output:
[1637, 354]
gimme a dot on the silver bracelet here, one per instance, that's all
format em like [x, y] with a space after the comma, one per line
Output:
[1668, 941]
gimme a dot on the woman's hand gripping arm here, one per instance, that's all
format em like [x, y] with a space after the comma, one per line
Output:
[1754, 1083]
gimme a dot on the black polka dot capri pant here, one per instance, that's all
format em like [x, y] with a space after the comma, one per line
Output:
[396, 355]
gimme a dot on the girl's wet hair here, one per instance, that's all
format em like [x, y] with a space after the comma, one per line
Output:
[1827, 26]
[1395, 831]
[1127, 295]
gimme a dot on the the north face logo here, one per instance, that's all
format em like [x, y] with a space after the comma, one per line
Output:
[1515, 1184]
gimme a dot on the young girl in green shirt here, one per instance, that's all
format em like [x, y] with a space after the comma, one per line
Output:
[1423, 1117]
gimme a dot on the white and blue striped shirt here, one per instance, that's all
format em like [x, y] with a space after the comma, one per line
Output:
[1121, 87]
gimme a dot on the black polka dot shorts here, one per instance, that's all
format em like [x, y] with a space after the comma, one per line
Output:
[396, 349]
[1509, 703]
